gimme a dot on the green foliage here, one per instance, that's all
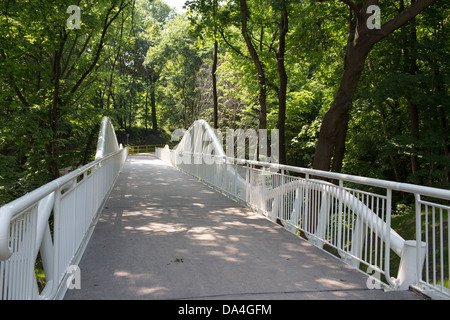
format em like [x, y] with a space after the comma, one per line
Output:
[150, 70]
[51, 80]
[381, 142]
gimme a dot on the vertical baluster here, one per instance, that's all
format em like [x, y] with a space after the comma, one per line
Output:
[441, 245]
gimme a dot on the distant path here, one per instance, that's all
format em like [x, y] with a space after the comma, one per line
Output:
[163, 235]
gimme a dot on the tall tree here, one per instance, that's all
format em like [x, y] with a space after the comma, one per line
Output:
[282, 91]
[330, 147]
[176, 59]
[409, 43]
[214, 70]
[262, 81]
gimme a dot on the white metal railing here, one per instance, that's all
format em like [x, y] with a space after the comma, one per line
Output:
[352, 215]
[73, 203]
[432, 228]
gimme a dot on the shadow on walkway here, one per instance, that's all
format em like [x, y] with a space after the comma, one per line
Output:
[163, 235]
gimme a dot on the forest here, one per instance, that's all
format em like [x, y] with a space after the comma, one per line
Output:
[350, 89]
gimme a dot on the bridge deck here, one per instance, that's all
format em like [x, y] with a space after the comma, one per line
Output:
[163, 235]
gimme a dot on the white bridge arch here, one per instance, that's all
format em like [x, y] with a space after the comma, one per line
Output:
[346, 215]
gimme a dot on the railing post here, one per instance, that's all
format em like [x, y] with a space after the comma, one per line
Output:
[323, 214]
[235, 179]
[387, 238]
[418, 239]
[340, 213]
[282, 206]
[411, 264]
[247, 183]
[413, 255]
[56, 242]
[296, 206]
[306, 211]
[263, 190]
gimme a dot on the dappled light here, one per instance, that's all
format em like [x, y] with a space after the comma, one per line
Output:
[163, 235]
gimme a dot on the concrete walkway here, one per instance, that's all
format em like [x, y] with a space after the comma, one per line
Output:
[163, 235]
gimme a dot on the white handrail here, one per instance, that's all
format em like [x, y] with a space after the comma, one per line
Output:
[385, 184]
[24, 226]
[10, 210]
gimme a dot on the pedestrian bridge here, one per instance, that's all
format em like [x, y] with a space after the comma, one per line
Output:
[194, 223]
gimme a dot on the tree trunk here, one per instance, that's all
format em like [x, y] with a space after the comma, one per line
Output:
[258, 65]
[214, 83]
[214, 69]
[153, 104]
[330, 147]
[53, 146]
[283, 82]
[89, 142]
[411, 68]
[414, 118]
[183, 95]
[445, 143]
[146, 111]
